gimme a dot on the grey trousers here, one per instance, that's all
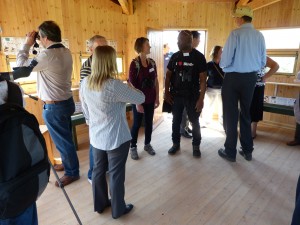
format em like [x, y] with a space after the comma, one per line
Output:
[237, 93]
[115, 161]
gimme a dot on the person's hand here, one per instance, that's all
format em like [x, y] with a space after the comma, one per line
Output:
[30, 38]
[140, 108]
[156, 104]
[168, 97]
[199, 105]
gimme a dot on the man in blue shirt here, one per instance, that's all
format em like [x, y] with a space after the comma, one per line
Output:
[244, 54]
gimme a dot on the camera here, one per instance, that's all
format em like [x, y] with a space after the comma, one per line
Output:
[147, 83]
[36, 36]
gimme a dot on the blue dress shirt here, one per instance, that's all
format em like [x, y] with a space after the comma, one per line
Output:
[244, 51]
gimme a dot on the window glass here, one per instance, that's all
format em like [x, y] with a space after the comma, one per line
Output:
[282, 38]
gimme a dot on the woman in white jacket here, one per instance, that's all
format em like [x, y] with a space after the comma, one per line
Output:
[104, 101]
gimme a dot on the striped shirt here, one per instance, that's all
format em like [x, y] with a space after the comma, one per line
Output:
[86, 68]
[105, 112]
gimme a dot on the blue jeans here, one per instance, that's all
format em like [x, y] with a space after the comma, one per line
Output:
[188, 103]
[28, 217]
[137, 121]
[58, 120]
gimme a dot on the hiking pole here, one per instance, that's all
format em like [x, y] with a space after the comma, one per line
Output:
[65, 193]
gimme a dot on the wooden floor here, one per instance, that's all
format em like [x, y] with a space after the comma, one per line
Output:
[179, 190]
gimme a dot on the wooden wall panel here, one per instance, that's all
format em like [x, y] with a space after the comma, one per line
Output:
[78, 19]
[81, 19]
[283, 14]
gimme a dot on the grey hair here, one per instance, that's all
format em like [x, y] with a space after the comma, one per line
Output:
[93, 39]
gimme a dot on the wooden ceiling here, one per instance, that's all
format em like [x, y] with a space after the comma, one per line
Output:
[127, 5]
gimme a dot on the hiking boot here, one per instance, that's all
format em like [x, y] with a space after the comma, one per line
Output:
[196, 151]
[174, 149]
[148, 148]
[133, 153]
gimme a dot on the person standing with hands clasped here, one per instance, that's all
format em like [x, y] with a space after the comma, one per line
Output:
[103, 99]
[185, 87]
[244, 54]
[143, 76]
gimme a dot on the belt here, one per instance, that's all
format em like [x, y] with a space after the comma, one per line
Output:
[52, 102]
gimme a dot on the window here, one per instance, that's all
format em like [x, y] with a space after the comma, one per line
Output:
[283, 47]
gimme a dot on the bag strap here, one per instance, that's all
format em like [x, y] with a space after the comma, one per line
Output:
[14, 94]
[218, 70]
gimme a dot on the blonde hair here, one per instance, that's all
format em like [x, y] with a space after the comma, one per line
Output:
[104, 67]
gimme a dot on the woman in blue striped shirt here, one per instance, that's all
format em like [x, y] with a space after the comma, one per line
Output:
[104, 101]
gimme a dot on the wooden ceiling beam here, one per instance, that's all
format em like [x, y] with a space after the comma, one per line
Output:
[242, 2]
[127, 6]
[257, 4]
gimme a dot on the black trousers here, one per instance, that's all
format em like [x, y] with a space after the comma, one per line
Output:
[189, 104]
[297, 132]
[296, 215]
[237, 93]
[137, 121]
[115, 160]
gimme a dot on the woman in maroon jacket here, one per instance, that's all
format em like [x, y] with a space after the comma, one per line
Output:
[143, 76]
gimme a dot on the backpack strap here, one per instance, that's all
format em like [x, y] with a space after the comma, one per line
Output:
[14, 94]
[137, 66]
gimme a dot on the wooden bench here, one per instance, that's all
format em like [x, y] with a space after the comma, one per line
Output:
[279, 109]
[78, 119]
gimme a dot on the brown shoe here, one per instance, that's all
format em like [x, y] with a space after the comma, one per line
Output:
[65, 180]
[293, 143]
[59, 167]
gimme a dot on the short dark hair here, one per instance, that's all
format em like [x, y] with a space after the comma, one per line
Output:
[139, 42]
[247, 19]
[50, 30]
[195, 34]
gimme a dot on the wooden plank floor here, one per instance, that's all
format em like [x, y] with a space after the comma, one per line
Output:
[179, 190]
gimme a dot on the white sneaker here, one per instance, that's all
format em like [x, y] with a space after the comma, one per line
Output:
[90, 181]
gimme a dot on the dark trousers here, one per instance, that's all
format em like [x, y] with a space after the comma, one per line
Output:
[177, 108]
[296, 215]
[237, 93]
[137, 121]
[297, 132]
[115, 160]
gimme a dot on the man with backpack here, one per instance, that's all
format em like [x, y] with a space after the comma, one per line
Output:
[54, 72]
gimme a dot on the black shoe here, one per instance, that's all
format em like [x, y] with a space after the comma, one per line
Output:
[224, 155]
[186, 134]
[174, 149]
[248, 156]
[293, 143]
[108, 205]
[128, 208]
[196, 152]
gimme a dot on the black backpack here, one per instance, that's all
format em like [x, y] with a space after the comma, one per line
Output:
[24, 165]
